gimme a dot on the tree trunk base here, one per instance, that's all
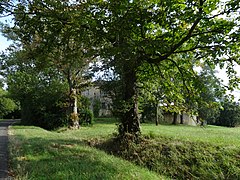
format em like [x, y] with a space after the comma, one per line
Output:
[74, 125]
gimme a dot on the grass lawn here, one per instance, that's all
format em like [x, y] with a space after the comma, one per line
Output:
[39, 154]
[210, 134]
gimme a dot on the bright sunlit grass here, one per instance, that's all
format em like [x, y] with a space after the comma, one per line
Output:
[211, 134]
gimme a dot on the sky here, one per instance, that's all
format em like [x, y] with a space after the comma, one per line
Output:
[4, 43]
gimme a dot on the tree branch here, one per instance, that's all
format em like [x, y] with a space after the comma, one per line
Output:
[183, 40]
[182, 74]
[197, 47]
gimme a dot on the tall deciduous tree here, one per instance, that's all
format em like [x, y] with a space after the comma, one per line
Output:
[56, 34]
[134, 33]
[158, 31]
[211, 95]
[42, 93]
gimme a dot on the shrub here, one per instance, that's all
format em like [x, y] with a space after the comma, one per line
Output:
[53, 120]
[85, 117]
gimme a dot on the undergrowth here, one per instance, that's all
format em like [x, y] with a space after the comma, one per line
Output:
[178, 159]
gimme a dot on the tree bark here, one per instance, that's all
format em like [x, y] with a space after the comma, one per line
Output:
[73, 113]
[157, 118]
[174, 118]
[74, 119]
[181, 118]
[130, 119]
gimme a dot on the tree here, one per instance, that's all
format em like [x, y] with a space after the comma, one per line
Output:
[135, 33]
[7, 105]
[172, 90]
[42, 99]
[42, 93]
[55, 34]
[229, 114]
[154, 32]
[211, 96]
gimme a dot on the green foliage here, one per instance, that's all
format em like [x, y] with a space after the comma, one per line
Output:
[182, 160]
[85, 114]
[96, 107]
[183, 152]
[55, 36]
[149, 113]
[229, 114]
[210, 97]
[175, 37]
[86, 117]
[83, 102]
[7, 105]
[113, 88]
[42, 99]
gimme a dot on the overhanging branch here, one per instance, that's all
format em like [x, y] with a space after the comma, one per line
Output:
[160, 58]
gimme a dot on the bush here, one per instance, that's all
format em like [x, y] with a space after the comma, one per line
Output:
[42, 105]
[52, 121]
[86, 117]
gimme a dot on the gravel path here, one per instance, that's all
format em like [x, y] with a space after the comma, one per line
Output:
[4, 148]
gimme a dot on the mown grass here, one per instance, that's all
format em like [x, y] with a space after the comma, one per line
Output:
[209, 134]
[177, 152]
[39, 154]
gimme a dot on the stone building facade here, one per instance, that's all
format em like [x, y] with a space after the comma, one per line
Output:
[187, 119]
[95, 94]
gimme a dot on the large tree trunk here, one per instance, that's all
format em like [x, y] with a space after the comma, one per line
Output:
[130, 119]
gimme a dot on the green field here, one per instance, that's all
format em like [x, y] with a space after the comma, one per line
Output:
[178, 152]
[210, 134]
[39, 154]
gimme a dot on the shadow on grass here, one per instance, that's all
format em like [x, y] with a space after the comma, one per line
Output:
[62, 159]
[40, 158]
